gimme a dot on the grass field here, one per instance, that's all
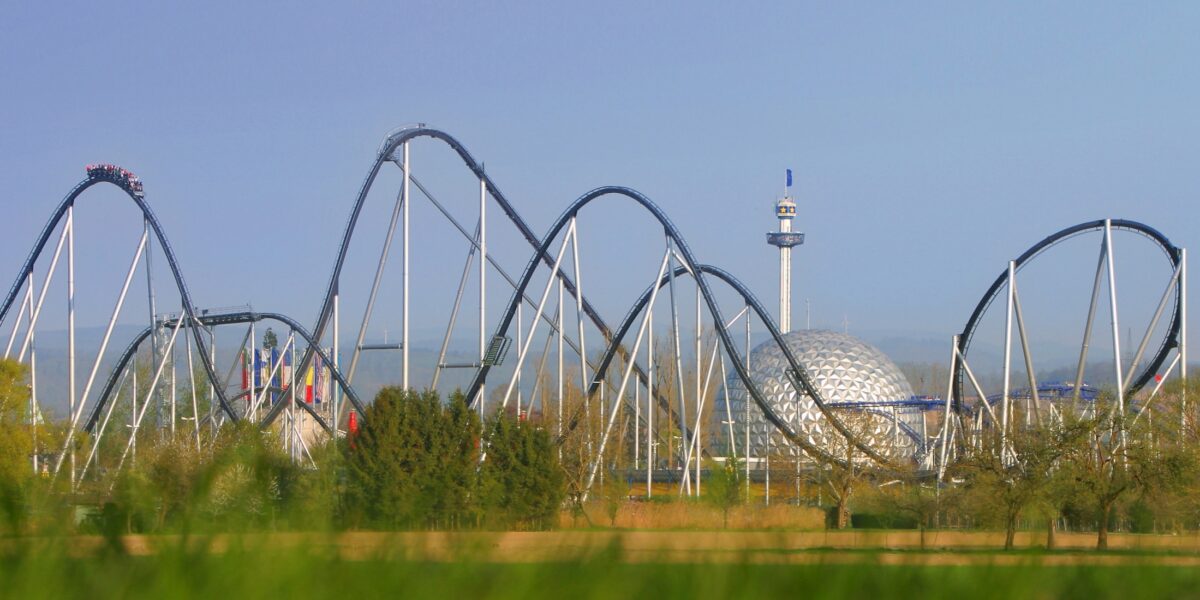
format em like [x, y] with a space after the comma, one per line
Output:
[560, 565]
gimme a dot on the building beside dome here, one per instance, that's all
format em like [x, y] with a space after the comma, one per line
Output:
[857, 381]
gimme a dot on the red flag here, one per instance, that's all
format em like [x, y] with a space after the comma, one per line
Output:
[245, 372]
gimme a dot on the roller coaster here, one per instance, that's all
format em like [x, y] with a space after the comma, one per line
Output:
[623, 391]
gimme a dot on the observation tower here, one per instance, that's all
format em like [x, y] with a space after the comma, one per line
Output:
[785, 239]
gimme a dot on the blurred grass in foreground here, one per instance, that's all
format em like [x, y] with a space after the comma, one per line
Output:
[52, 568]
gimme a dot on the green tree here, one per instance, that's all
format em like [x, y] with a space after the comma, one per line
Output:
[723, 488]
[16, 443]
[412, 462]
[521, 483]
[1124, 460]
[1005, 475]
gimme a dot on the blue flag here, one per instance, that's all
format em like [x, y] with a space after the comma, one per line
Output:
[789, 178]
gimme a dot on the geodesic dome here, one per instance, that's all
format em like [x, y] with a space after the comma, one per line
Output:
[855, 379]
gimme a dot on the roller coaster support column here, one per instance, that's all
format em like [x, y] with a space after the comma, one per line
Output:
[1008, 318]
[153, 309]
[945, 433]
[404, 340]
[192, 386]
[560, 362]
[747, 452]
[520, 342]
[71, 323]
[699, 396]
[34, 410]
[174, 387]
[212, 388]
[483, 295]
[583, 371]
[676, 347]
[649, 400]
[254, 366]
[1116, 325]
[637, 419]
[337, 395]
[1183, 330]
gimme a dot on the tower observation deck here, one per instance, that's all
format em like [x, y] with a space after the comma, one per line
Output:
[785, 239]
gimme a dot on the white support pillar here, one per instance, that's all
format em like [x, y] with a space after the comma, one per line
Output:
[1008, 323]
[583, 364]
[637, 423]
[521, 344]
[1116, 325]
[335, 390]
[253, 373]
[34, 408]
[483, 258]
[561, 310]
[174, 386]
[650, 401]
[212, 360]
[407, 253]
[192, 385]
[71, 397]
[1183, 329]
[151, 304]
[747, 403]
[945, 433]
[699, 398]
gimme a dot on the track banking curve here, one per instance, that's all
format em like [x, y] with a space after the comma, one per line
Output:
[714, 310]
[172, 262]
[1170, 340]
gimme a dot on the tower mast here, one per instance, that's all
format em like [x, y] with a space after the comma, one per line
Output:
[785, 239]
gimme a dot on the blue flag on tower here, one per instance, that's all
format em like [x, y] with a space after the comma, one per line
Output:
[789, 178]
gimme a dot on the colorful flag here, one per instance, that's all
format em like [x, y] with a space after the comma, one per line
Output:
[308, 386]
[789, 178]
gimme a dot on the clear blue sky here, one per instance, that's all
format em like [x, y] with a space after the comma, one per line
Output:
[930, 142]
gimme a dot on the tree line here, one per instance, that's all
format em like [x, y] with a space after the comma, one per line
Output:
[421, 461]
[417, 462]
